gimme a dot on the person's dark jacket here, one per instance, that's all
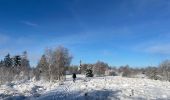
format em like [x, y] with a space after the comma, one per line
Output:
[74, 75]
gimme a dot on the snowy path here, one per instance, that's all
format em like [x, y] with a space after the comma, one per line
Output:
[97, 88]
[82, 89]
[111, 88]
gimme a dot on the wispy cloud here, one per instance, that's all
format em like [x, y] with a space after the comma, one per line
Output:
[29, 23]
[93, 36]
[158, 49]
[158, 45]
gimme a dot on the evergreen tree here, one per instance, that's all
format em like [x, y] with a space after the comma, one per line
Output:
[89, 73]
[25, 66]
[8, 61]
[1, 63]
[24, 61]
[43, 68]
[17, 60]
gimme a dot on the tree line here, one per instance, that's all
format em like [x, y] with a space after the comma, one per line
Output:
[14, 68]
[54, 64]
[51, 67]
[100, 68]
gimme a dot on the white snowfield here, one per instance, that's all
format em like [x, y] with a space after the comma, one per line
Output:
[97, 88]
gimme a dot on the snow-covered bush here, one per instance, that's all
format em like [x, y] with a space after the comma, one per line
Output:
[165, 69]
[89, 73]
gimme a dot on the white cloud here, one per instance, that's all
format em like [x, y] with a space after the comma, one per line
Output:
[154, 47]
[29, 23]
[158, 49]
[94, 36]
[82, 38]
[157, 45]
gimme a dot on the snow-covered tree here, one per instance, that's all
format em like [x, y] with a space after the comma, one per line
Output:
[24, 61]
[8, 61]
[89, 73]
[49, 57]
[43, 68]
[17, 60]
[25, 66]
[83, 68]
[151, 72]
[165, 67]
[57, 59]
[127, 71]
[99, 68]
[62, 59]
[1, 63]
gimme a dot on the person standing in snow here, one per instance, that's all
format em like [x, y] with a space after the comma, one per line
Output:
[74, 77]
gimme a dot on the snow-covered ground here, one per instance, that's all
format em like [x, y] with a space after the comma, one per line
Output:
[98, 88]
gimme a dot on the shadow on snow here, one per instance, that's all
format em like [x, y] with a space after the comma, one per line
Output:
[80, 95]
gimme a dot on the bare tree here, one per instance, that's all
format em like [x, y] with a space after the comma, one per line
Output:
[49, 57]
[99, 68]
[126, 71]
[57, 59]
[165, 68]
[151, 72]
[62, 59]
[83, 68]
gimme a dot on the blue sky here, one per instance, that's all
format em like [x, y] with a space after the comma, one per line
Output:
[119, 32]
